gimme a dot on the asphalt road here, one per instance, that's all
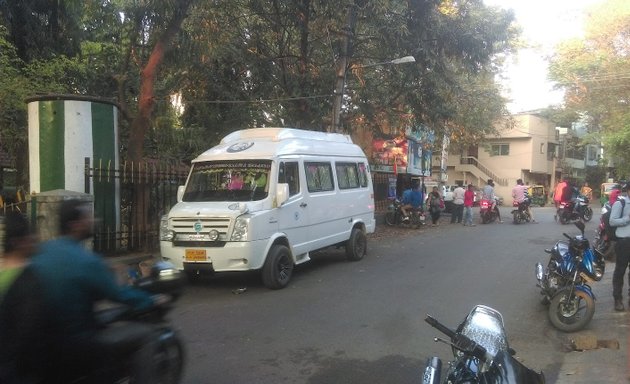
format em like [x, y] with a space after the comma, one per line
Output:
[362, 322]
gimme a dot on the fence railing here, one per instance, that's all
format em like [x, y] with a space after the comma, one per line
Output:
[129, 201]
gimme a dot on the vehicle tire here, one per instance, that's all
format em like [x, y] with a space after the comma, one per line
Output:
[562, 218]
[169, 360]
[587, 215]
[390, 218]
[516, 218]
[484, 218]
[356, 246]
[606, 248]
[278, 267]
[570, 314]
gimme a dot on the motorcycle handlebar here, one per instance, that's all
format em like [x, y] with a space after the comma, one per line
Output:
[459, 341]
[440, 327]
[567, 236]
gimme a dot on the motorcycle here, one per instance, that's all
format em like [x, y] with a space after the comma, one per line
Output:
[602, 243]
[168, 355]
[481, 353]
[395, 216]
[521, 213]
[486, 213]
[564, 284]
[574, 210]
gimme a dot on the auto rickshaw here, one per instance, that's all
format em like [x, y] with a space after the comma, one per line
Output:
[538, 194]
[605, 192]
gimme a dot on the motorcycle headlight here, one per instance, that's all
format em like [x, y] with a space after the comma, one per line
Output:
[241, 226]
[166, 234]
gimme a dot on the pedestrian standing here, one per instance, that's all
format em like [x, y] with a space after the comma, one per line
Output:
[434, 206]
[620, 218]
[469, 201]
[458, 204]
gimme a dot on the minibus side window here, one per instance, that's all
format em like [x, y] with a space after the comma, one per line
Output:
[347, 176]
[319, 176]
[363, 175]
[289, 173]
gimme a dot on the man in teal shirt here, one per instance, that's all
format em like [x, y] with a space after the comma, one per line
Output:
[74, 279]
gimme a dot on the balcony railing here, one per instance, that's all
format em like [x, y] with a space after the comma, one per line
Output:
[469, 160]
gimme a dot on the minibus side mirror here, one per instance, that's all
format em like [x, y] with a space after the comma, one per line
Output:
[282, 193]
[180, 193]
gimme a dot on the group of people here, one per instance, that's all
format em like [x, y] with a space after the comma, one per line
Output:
[48, 328]
[463, 201]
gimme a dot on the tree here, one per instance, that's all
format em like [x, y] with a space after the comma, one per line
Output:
[593, 72]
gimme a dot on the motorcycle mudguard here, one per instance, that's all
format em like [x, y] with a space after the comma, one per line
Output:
[586, 289]
[506, 369]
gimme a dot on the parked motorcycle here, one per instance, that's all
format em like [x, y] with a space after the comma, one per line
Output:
[603, 244]
[486, 213]
[481, 353]
[574, 210]
[394, 215]
[168, 359]
[564, 284]
[521, 213]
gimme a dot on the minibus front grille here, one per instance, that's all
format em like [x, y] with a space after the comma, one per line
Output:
[186, 229]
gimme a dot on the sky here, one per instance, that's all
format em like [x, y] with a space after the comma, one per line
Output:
[544, 24]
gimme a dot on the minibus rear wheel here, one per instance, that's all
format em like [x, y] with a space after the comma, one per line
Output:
[356, 246]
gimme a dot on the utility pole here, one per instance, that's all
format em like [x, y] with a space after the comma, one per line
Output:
[342, 66]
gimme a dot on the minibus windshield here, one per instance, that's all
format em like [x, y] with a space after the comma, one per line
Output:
[237, 180]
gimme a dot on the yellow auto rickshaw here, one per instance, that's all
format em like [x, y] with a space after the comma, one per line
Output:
[538, 194]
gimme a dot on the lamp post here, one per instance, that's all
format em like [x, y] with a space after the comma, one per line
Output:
[341, 84]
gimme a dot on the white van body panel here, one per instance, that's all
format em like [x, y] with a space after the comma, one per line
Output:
[306, 221]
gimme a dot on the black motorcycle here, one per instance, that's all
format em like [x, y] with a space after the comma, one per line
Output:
[604, 242]
[481, 353]
[521, 213]
[168, 358]
[394, 215]
[576, 209]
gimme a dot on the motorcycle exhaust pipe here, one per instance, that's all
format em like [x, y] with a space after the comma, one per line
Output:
[432, 371]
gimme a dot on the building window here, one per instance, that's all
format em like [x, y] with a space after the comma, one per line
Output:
[500, 150]
[542, 147]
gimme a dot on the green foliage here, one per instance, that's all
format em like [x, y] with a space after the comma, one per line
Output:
[594, 73]
[243, 63]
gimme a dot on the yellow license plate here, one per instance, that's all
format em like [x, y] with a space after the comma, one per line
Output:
[195, 255]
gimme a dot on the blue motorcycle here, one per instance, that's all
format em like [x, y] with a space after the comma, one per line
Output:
[572, 266]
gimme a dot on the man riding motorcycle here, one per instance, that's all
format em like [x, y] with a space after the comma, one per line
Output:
[488, 194]
[519, 194]
[74, 279]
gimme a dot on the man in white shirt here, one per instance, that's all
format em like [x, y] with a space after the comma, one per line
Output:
[458, 204]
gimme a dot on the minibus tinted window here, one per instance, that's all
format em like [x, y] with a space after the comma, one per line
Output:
[239, 180]
[319, 177]
[347, 176]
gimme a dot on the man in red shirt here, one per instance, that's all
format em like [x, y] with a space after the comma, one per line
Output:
[469, 201]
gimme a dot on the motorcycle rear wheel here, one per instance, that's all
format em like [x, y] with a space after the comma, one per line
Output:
[571, 312]
[516, 218]
[587, 215]
[390, 218]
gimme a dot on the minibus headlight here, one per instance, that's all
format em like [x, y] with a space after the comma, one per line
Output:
[165, 233]
[240, 229]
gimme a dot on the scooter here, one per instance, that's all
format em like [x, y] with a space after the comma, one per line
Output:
[481, 353]
[564, 284]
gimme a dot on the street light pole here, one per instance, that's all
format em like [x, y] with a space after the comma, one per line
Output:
[340, 83]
